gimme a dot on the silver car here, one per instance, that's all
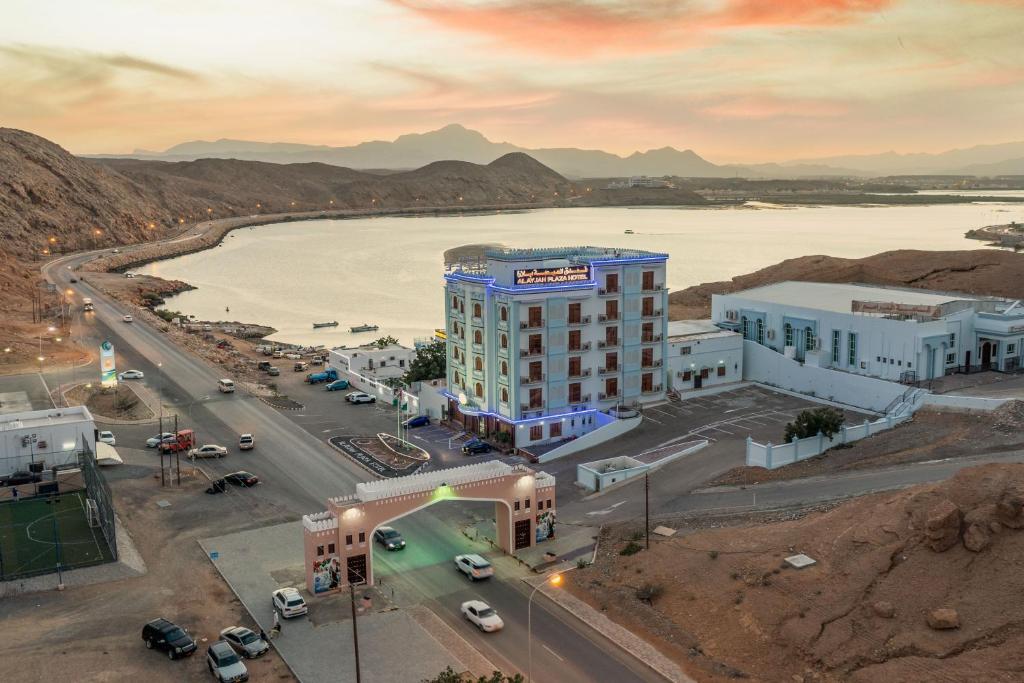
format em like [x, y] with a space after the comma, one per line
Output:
[245, 642]
[224, 664]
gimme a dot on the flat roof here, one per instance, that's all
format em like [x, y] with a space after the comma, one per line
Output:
[580, 253]
[42, 418]
[695, 328]
[839, 297]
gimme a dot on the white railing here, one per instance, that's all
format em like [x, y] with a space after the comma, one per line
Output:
[772, 456]
[319, 521]
[429, 481]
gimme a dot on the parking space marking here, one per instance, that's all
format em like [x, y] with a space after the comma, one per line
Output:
[719, 429]
[659, 410]
[648, 417]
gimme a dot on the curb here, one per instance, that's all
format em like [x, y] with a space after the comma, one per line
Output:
[375, 474]
[264, 399]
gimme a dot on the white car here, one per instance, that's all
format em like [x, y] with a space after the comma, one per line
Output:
[131, 374]
[208, 451]
[360, 397]
[483, 615]
[289, 603]
[126, 318]
[107, 438]
[246, 442]
[154, 441]
[474, 566]
[224, 664]
[293, 356]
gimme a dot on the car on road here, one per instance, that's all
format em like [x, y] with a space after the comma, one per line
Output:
[273, 372]
[246, 442]
[242, 478]
[289, 603]
[337, 385]
[165, 635]
[74, 280]
[208, 451]
[483, 615]
[245, 642]
[156, 440]
[131, 374]
[389, 538]
[474, 566]
[20, 478]
[127, 318]
[476, 446]
[418, 421]
[360, 397]
[224, 664]
[107, 438]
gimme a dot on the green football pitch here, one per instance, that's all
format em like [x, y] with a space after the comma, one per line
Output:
[37, 534]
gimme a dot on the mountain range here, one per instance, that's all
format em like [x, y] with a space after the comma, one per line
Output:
[460, 143]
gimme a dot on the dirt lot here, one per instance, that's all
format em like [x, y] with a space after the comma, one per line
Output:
[92, 633]
[723, 606]
[122, 404]
[931, 435]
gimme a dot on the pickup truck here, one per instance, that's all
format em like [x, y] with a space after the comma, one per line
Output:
[325, 376]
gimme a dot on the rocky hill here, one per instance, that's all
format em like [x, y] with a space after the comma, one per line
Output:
[982, 271]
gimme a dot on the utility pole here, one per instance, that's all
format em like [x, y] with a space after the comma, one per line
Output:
[647, 509]
[355, 630]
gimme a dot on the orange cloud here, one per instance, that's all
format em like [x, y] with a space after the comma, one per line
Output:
[577, 28]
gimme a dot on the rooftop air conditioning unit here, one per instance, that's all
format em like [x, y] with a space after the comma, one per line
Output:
[771, 334]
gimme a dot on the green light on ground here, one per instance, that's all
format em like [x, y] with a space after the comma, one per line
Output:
[442, 492]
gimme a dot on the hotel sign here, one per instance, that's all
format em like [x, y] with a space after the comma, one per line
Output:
[565, 275]
[893, 308]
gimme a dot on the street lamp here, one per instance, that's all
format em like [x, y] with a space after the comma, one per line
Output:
[556, 581]
[51, 328]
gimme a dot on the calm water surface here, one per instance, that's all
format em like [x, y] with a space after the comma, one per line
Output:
[387, 271]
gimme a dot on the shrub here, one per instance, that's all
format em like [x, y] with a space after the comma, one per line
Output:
[636, 535]
[808, 423]
[631, 548]
[582, 563]
[649, 592]
[713, 554]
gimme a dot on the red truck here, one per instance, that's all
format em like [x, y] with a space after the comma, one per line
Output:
[183, 441]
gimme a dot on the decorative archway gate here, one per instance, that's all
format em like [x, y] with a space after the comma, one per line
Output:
[339, 541]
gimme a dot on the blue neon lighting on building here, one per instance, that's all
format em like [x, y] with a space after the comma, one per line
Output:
[503, 418]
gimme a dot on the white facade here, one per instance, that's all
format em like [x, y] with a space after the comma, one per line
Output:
[373, 361]
[52, 437]
[894, 334]
[701, 354]
[538, 340]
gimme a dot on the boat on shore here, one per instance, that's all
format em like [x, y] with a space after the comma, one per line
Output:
[333, 323]
[628, 232]
[364, 328]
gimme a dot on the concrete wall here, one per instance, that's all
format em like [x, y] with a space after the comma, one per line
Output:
[711, 353]
[614, 428]
[592, 475]
[761, 364]
[967, 403]
[771, 456]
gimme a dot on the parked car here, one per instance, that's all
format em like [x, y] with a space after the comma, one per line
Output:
[224, 663]
[74, 280]
[129, 275]
[217, 486]
[389, 538]
[264, 365]
[293, 356]
[289, 603]
[126, 318]
[131, 374]
[208, 451]
[245, 642]
[316, 360]
[360, 397]
[242, 478]
[165, 635]
[154, 441]
[207, 328]
[418, 421]
[474, 566]
[273, 372]
[246, 442]
[483, 615]
[476, 446]
[337, 385]
[20, 478]
[277, 354]
[301, 366]
[107, 438]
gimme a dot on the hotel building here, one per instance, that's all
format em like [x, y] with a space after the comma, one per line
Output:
[541, 340]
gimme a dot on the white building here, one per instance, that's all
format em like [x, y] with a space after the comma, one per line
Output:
[644, 181]
[372, 360]
[539, 340]
[701, 354]
[44, 438]
[894, 334]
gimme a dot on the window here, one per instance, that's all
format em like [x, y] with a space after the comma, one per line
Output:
[952, 338]
[647, 332]
[611, 335]
[383, 363]
[348, 539]
[362, 537]
[611, 282]
[535, 316]
[647, 306]
[851, 341]
[401, 363]
[330, 548]
[536, 433]
[647, 357]
[837, 340]
[515, 505]
[575, 340]
[504, 341]
[479, 390]
[760, 331]
[647, 382]
[810, 339]
[527, 501]
[611, 309]
[504, 369]
[611, 361]
[319, 551]
[536, 398]
[575, 392]
[503, 313]
[575, 366]
[611, 386]
[575, 313]
[554, 430]
[1011, 349]
[504, 395]
[705, 373]
[536, 370]
[950, 358]
[685, 350]
[789, 334]
[746, 327]
[721, 371]
[687, 375]
[476, 310]
[478, 337]
[535, 343]
[648, 280]
[478, 364]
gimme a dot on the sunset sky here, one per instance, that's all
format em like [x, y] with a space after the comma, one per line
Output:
[735, 80]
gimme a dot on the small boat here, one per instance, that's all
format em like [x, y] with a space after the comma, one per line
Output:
[364, 328]
[629, 232]
[333, 323]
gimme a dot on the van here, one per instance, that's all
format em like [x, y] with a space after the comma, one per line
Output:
[263, 365]
[226, 386]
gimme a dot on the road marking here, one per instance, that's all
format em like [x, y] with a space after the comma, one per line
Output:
[731, 411]
[663, 412]
[648, 417]
[607, 510]
[552, 652]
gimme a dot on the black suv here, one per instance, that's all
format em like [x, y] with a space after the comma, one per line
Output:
[164, 635]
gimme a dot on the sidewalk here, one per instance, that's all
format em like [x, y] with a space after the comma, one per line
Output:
[570, 542]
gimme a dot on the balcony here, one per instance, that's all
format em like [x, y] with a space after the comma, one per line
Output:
[456, 315]
[502, 324]
[476, 320]
[531, 324]
[654, 363]
[608, 291]
[526, 407]
[585, 398]
[656, 287]
[582, 320]
[585, 346]
[533, 379]
[456, 363]
[584, 372]
[602, 396]
[608, 371]
[656, 313]
[607, 317]
[656, 389]
[528, 353]
[478, 374]
[608, 344]
[651, 339]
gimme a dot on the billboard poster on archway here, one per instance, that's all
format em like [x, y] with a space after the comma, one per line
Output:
[326, 574]
[545, 526]
[108, 373]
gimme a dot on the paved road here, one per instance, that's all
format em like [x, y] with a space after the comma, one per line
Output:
[302, 471]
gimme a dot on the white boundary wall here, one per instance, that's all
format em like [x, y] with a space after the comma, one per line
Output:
[771, 456]
[963, 402]
[762, 365]
[596, 437]
[589, 476]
